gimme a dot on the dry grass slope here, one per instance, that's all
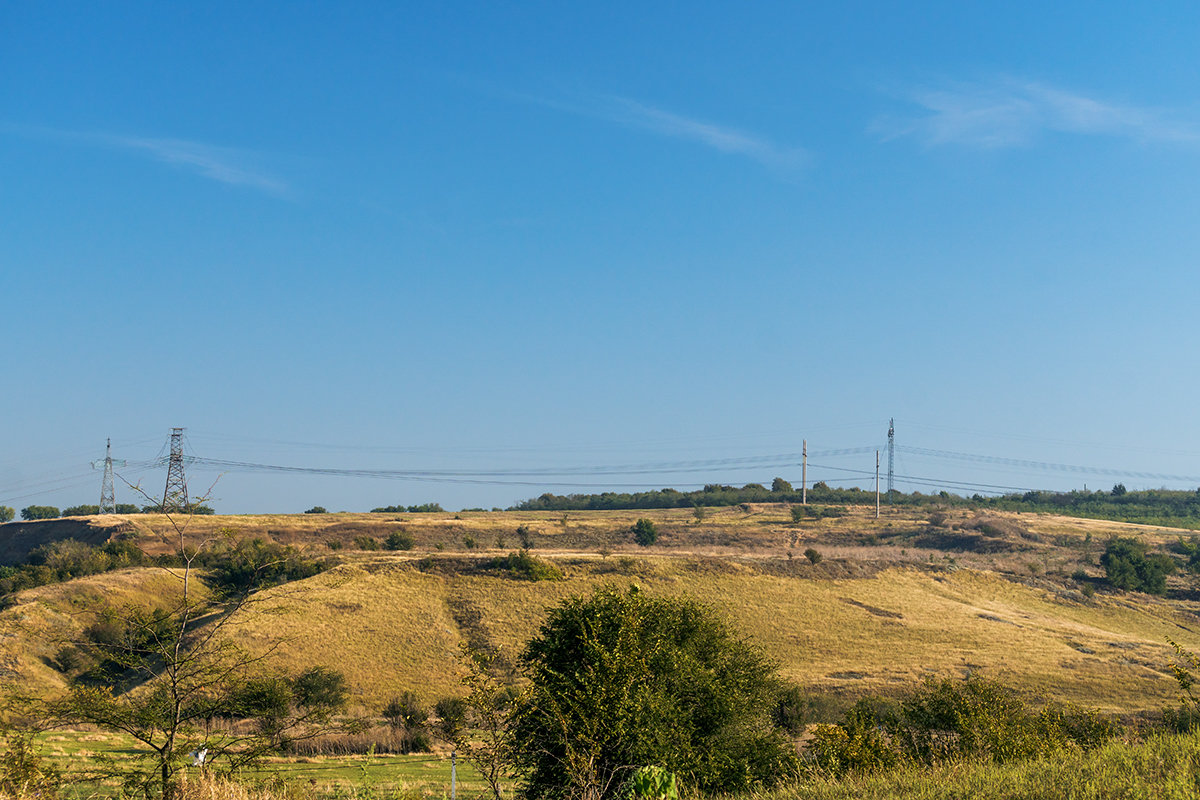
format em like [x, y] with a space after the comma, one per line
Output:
[883, 608]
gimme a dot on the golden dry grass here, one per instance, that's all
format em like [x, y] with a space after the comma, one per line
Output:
[876, 614]
[392, 628]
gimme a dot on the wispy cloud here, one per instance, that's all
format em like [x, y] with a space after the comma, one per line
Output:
[642, 116]
[1009, 113]
[229, 165]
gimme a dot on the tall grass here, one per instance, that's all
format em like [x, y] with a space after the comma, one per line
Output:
[1163, 767]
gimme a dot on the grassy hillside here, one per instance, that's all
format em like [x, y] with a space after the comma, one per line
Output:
[912, 594]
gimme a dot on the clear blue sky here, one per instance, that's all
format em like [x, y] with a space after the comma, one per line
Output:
[499, 236]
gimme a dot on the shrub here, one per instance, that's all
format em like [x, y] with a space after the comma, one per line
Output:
[408, 717]
[813, 556]
[945, 721]
[621, 678]
[1128, 566]
[7, 513]
[254, 564]
[23, 771]
[791, 710]
[528, 567]
[525, 535]
[451, 714]
[317, 510]
[652, 783]
[469, 541]
[364, 542]
[645, 532]
[398, 540]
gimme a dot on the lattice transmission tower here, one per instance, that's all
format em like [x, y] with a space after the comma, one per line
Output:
[891, 457]
[108, 490]
[175, 495]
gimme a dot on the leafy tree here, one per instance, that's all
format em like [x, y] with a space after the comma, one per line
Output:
[7, 513]
[317, 510]
[478, 726]
[644, 532]
[406, 716]
[39, 512]
[1129, 566]
[620, 680]
[780, 485]
[81, 511]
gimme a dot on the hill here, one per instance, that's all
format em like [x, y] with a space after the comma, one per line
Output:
[891, 600]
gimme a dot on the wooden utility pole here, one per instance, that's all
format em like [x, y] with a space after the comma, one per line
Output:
[876, 484]
[804, 476]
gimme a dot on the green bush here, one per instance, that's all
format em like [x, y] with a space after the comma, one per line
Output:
[317, 510]
[364, 542]
[645, 532]
[7, 513]
[813, 556]
[525, 535]
[254, 564]
[406, 716]
[399, 540]
[622, 678]
[651, 783]
[522, 564]
[24, 772]
[948, 720]
[1129, 566]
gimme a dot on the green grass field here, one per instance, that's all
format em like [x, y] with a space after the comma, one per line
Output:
[78, 754]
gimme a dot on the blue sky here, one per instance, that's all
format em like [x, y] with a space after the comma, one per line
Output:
[486, 237]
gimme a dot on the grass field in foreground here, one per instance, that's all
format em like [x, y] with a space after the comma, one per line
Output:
[1163, 767]
[414, 775]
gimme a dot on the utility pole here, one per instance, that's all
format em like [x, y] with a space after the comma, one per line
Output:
[108, 493]
[804, 476]
[175, 495]
[891, 457]
[876, 484]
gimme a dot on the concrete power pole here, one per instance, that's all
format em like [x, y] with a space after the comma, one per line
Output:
[804, 476]
[876, 484]
[891, 457]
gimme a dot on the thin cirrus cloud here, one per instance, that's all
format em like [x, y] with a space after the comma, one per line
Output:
[227, 165]
[1013, 113]
[642, 116]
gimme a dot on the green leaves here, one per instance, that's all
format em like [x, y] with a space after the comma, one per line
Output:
[622, 679]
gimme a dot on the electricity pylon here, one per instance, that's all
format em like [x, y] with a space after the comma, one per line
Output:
[108, 490]
[175, 495]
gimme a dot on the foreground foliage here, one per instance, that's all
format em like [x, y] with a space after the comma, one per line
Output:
[948, 720]
[620, 680]
[1163, 767]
